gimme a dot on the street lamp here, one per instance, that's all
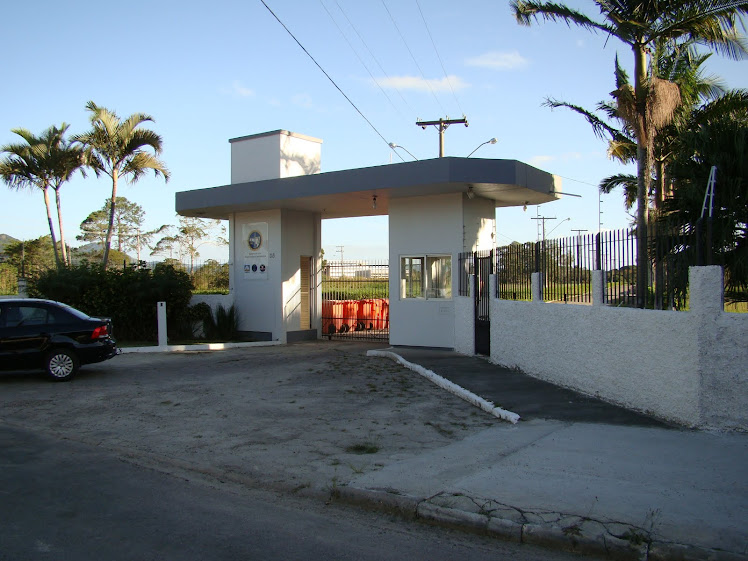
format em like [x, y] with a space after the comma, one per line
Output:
[393, 146]
[492, 141]
[556, 226]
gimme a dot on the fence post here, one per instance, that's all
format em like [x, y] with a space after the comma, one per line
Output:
[598, 287]
[536, 280]
[706, 289]
[161, 317]
[23, 287]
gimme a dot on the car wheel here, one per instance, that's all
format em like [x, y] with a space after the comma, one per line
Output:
[62, 365]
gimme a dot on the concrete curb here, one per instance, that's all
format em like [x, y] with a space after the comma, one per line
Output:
[550, 535]
[546, 535]
[451, 387]
[199, 347]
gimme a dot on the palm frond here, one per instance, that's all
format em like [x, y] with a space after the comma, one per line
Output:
[627, 181]
[525, 12]
[599, 127]
[622, 77]
[140, 162]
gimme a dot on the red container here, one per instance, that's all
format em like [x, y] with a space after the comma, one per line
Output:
[365, 317]
[349, 314]
[377, 314]
[332, 316]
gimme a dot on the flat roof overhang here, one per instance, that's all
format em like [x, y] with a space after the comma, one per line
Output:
[348, 193]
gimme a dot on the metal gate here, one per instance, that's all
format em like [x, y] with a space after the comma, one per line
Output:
[355, 300]
[483, 263]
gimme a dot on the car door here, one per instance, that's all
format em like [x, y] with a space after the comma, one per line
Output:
[24, 335]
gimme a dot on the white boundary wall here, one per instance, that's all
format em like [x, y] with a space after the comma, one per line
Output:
[687, 367]
[213, 300]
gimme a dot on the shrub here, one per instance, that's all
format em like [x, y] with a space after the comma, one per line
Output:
[128, 296]
[223, 324]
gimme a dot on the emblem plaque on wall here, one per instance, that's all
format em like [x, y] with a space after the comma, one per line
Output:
[255, 238]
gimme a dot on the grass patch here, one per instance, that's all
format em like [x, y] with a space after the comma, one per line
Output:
[362, 448]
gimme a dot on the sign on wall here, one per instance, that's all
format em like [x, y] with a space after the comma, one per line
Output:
[255, 240]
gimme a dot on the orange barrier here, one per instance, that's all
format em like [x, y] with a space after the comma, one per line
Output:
[340, 316]
[365, 317]
[349, 314]
[385, 313]
[332, 316]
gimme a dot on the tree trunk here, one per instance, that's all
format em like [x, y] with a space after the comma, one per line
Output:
[51, 226]
[660, 182]
[110, 230]
[642, 220]
[65, 258]
[643, 141]
[659, 280]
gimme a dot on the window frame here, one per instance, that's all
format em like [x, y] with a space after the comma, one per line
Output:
[426, 260]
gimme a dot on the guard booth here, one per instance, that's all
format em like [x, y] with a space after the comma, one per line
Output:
[437, 209]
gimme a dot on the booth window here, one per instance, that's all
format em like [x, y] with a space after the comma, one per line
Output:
[426, 276]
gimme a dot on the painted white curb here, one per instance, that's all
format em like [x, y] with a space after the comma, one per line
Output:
[200, 347]
[451, 387]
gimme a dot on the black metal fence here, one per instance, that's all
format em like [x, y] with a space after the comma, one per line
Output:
[355, 300]
[567, 263]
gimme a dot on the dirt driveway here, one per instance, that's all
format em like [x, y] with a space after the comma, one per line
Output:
[304, 416]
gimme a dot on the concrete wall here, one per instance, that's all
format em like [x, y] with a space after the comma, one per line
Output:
[301, 236]
[273, 155]
[269, 303]
[420, 226]
[213, 300]
[479, 224]
[685, 367]
[258, 300]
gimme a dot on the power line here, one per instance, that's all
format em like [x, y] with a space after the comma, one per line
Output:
[359, 58]
[373, 56]
[444, 70]
[413, 57]
[325, 73]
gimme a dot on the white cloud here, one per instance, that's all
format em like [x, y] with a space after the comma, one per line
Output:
[496, 60]
[419, 84]
[241, 91]
[544, 159]
[237, 90]
[540, 160]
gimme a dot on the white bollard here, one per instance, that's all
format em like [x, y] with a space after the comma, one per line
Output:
[161, 317]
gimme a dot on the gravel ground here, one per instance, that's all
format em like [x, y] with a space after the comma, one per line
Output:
[305, 416]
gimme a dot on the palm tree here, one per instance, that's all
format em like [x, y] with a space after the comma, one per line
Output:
[45, 161]
[649, 105]
[120, 149]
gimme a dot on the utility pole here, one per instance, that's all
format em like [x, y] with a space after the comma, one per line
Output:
[340, 250]
[540, 262]
[442, 125]
[579, 252]
[544, 218]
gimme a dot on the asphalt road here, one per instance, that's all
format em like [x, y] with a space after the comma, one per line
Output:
[64, 500]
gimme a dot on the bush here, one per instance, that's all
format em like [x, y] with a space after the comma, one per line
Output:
[8, 279]
[223, 325]
[128, 296]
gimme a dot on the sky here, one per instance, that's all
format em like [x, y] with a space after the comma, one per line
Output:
[207, 73]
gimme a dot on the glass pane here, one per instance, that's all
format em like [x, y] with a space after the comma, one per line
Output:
[411, 271]
[440, 277]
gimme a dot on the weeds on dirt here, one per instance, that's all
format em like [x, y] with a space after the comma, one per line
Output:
[362, 448]
[438, 428]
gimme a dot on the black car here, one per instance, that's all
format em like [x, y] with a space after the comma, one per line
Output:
[42, 334]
